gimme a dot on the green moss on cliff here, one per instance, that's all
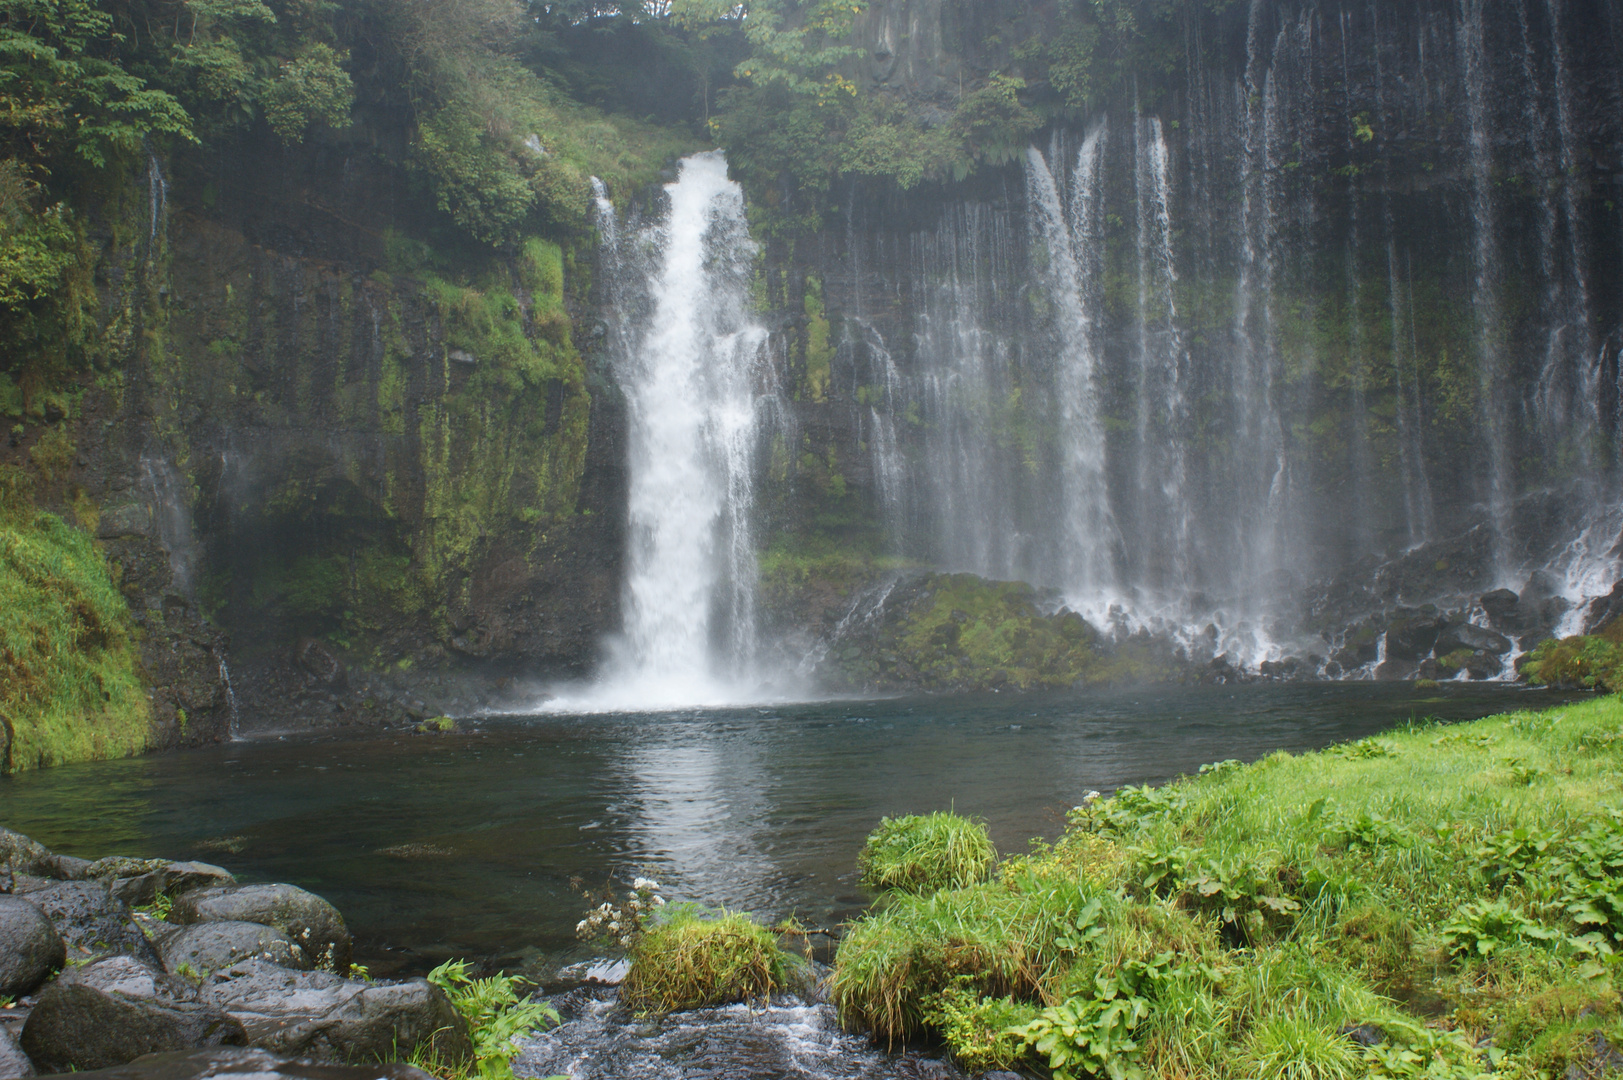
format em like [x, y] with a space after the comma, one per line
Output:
[962, 632]
[69, 690]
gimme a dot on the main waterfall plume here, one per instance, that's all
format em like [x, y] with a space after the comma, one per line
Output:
[688, 355]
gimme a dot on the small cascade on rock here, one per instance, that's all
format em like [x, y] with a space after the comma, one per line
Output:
[171, 505]
[158, 205]
[230, 700]
[691, 367]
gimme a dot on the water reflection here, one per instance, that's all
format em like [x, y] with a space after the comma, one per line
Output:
[468, 843]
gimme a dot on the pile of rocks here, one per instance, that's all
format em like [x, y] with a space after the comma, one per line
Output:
[95, 984]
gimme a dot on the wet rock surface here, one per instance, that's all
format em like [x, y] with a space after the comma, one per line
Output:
[30, 947]
[117, 1009]
[254, 1063]
[212, 946]
[308, 920]
[319, 1015]
[92, 921]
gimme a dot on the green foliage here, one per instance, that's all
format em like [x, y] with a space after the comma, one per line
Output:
[69, 685]
[496, 1013]
[1233, 924]
[925, 853]
[978, 1029]
[692, 959]
[63, 94]
[1091, 1036]
[312, 87]
[1588, 661]
[1482, 926]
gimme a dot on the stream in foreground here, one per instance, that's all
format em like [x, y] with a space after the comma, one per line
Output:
[466, 844]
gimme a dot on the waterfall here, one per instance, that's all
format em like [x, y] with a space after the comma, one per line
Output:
[692, 371]
[1164, 514]
[1493, 375]
[1072, 273]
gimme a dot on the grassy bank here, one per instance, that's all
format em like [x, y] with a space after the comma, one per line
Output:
[69, 689]
[1440, 901]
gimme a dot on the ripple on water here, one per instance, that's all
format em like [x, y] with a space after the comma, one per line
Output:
[788, 1040]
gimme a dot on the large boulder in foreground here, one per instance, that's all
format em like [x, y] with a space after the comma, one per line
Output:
[318, 1015]
[30, 947]
[312, 923]
[213, 946]
[246, 1064]
[117, 1009]
[92, 921]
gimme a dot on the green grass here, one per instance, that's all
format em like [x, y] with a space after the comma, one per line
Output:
[925, 853]
[69, 686]
[1449, 885]
[692, 959]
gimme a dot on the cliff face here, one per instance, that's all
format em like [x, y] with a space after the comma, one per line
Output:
[339, 457]
[1315, 329]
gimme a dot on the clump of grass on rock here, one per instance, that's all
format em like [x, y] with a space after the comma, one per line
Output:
[925, 853]
[691, 959]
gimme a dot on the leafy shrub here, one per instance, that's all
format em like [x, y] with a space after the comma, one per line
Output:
[625, 923]
[1482, 927]
[497, 1016]
[978, 1030]
[1509, 856]
[924, 853]
[691, 959]
[1591, 661]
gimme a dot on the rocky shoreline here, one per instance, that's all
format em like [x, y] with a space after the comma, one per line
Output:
[155, 969]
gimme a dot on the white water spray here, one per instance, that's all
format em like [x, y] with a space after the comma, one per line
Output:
[693, 373]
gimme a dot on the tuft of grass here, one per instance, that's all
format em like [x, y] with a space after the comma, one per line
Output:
[69, 685]
[925, 853]
[1293, 1048]
[691, 960]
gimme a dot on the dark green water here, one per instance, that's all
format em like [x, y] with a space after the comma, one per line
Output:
[761, 808]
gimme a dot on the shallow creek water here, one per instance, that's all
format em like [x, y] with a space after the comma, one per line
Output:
[467, 844]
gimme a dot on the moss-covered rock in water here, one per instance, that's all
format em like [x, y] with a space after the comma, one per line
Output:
[1590, 661]
[962, 632]
[69, 688]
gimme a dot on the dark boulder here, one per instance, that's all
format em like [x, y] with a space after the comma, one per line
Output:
[248, 1064]
[1482, 665]
[213, 946]
[1604, 609]
[1475, 638]
[13, 1062]
[30, 947]
[1411, 634]
[312, 923]
[92, 921]
[1395, 671]
[317, 1014]
[1503, 608]
[114, 1010]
